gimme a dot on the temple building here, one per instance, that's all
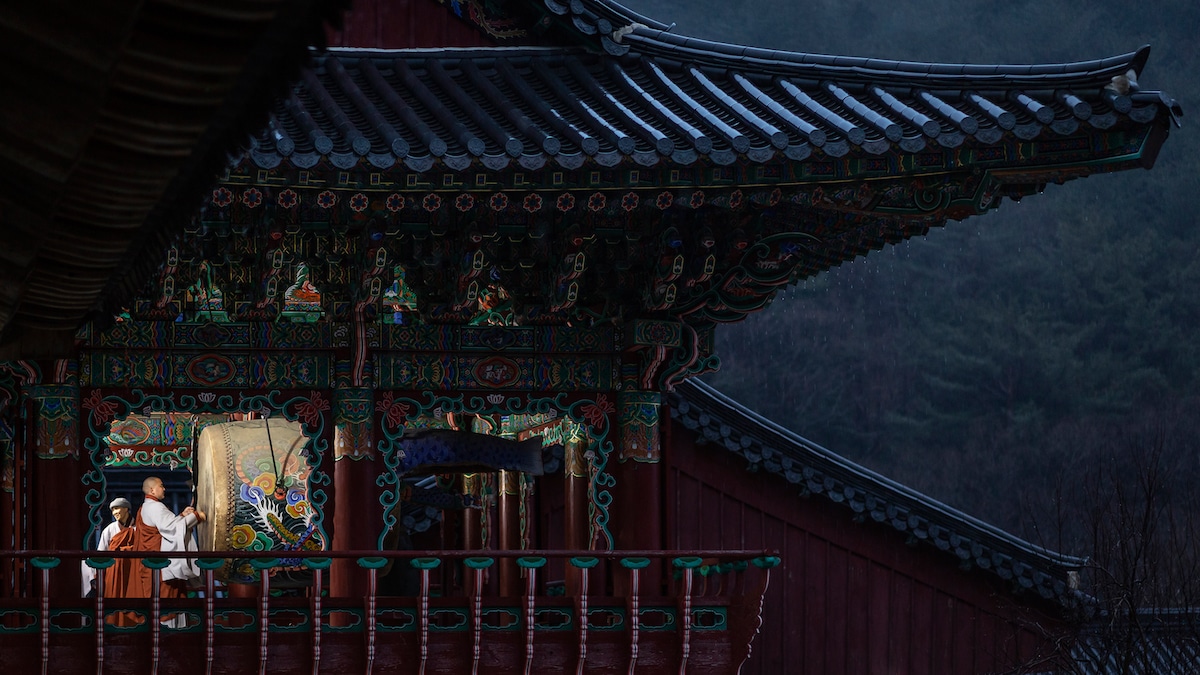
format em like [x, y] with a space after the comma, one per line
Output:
[418, 319]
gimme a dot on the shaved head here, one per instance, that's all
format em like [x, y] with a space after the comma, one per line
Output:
[150, 483]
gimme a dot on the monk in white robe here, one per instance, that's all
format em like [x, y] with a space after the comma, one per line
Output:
[121, 513]
[155, 529]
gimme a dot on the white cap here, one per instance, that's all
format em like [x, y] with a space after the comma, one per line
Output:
[120, 501]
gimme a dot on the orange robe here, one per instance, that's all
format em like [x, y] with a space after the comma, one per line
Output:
[129, 578]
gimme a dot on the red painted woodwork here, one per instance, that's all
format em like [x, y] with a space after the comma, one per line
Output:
[849, 598]
[280, 634]
[404, 24]
[355, 501]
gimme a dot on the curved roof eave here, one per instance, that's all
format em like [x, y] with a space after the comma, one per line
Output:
[1096, 72]
[974, 542]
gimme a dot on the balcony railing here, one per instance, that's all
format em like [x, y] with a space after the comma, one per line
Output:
[602, 612]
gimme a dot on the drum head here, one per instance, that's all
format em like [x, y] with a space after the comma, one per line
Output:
[253, 486]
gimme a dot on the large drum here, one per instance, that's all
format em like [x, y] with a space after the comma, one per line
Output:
[252, 482]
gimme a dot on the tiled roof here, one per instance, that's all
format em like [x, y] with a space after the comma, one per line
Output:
[766, 446]
[1154, 641]
[678, 99]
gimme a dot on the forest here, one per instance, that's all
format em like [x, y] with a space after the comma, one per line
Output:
[1036, 367]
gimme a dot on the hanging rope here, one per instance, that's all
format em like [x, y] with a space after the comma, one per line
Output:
[271, 447]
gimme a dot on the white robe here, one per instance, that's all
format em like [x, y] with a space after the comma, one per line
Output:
[176, 535]
[87, 574]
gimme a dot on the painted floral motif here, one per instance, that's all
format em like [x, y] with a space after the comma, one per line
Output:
[735, 199]
[252, 198]
[596, 414]
[288, 199]
[394, 202]
[431, 203]
[697, 199]
[499, 201]
[630, 201]
[533, 203]
[596, 202]
[566, 202]
[359, 202]
[326, 199]
[664, 200]
[464, 203]
[776, 194]
[102, 411]
[394, 412]
[222, 197]
[310, 411]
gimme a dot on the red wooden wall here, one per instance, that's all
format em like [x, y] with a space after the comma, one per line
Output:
[401, 24]
[849, 598]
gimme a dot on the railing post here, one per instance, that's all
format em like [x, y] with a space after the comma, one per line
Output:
[100, 565]
[424, 564]
[156, 566]
[372, 564]
[635, 566]
[210, 566]
[584, 563]
[530, 564]
[264, 565]
[45, 565]
[477, 565]
[688, 564]
[317, 565]
[750, 616]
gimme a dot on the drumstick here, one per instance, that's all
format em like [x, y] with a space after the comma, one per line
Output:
[195, 457]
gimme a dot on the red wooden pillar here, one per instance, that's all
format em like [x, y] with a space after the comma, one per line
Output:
[576, 534]
[11, 485]
[57, 509]
[472, 532]
[509, 530]
[637, 504]
[472, 525]
[357, 512]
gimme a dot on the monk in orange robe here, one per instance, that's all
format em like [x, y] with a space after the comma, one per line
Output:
[155, 529]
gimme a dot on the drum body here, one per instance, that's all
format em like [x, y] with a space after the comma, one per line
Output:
[252, 482]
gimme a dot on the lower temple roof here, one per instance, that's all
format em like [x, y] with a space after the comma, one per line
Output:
[815, 471]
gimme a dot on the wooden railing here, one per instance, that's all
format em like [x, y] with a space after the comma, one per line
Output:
[606, 611]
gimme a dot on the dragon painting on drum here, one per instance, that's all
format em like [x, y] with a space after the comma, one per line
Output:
[252, 480]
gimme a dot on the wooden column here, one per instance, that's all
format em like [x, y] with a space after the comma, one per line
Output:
[11, 485]
[472, 526]
[576, 531]
[637, 504]
[57, 509]
[509, 530]
[357, 512]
